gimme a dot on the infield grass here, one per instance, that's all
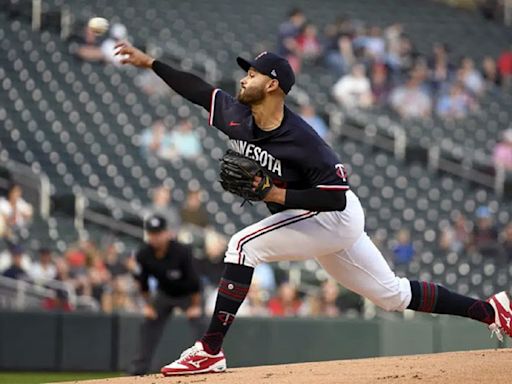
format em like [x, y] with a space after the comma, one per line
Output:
[48, 377]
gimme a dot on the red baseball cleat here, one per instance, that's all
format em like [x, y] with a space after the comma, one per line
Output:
[503, 315]
[196, 360]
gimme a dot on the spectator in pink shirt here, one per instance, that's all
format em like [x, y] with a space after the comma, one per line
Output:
[503, 152]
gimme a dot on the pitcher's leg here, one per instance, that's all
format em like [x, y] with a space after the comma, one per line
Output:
[364, 270]
[288, 235]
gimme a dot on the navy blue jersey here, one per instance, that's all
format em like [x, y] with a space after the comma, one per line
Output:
[293, 153]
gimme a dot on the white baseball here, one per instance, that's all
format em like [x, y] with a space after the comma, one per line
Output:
[98, 25]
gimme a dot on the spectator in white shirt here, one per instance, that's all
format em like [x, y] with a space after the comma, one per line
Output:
[16, 212]
[118, 32]
[354, 89]
[44, 269]
[470, 77]
[410, 101]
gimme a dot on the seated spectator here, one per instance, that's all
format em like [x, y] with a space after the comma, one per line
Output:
[116, 298]
[308, 44]
[286, 303]
[162, 205]
[255, 304]
[375, 45]
[89, 50]
[62, 269]
[400, 58]
[502, 155]
[506, 242]
[308, 114]
[404, 249]
[490, 72]
[15, 211]
[287, 38]
[43, 270]
[440, 67]
[113, 263]
[312, 305]
[505, 66]
[16, 270]
[330, 294]
[185, 142]
[342, 58]
[211, 267]
[485, 234]
[117, 33]
[456, 236]
[6, 257]
[342, 26]
[410, 101]
[470, 77]
[381, 86]
[75, 260]
[354, 90]
[156, 141]
[99, 277]
[455, 105]
[193, 211]
[264, 273]
[392, 36]
[59, 303]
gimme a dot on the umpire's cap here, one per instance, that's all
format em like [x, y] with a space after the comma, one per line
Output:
[155, 223]
[272, 65]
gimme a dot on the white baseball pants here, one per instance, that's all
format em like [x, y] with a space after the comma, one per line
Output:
[335, 239]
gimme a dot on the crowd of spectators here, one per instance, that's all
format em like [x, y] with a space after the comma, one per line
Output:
[97, 274]
[379, 67]
[375, 67]
[483, 235]
[180, 142]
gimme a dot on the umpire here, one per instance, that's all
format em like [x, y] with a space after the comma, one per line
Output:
[170, 263]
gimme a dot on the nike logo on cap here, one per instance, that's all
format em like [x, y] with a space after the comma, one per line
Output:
[273, 72]
[233, 124]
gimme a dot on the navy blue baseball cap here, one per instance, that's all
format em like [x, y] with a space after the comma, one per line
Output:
[272, 65]
[155, 223]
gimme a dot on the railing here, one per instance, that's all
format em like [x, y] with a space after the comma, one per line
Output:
[466, 170]
[209, 68]
[396, 141]
[118, 209]
[22, 294]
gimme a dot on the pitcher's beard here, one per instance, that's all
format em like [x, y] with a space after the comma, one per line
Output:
[249, 97]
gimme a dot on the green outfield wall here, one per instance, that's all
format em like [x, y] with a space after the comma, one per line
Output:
[96, 342]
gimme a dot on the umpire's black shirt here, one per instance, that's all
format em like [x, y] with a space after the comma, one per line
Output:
[174, 271]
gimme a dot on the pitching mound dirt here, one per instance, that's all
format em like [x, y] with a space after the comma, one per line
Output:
[486, 366]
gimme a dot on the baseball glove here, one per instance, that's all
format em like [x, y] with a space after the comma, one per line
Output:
[237, 174]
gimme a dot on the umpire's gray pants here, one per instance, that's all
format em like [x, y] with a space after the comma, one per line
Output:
[151, 330]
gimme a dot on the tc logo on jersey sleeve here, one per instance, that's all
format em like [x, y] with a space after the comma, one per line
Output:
[341, 172]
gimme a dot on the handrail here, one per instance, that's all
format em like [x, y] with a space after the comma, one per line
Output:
[369, 134]
[83, 211]
[23, 288]
[36, 14]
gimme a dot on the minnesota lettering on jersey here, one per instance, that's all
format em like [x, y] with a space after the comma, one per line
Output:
[258, 154]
